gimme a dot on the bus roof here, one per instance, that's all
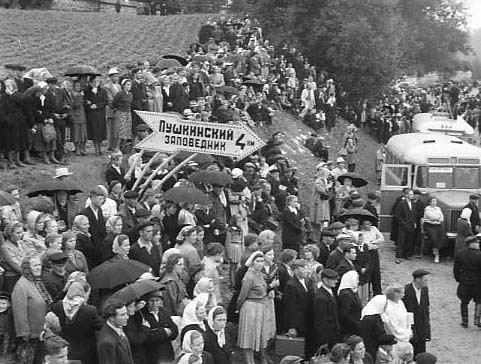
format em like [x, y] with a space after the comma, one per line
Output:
[416, 148]
[441, 123]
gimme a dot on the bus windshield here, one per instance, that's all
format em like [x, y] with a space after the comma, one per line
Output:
[448, 177]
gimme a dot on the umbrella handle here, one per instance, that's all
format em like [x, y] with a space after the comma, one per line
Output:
[145, 169]
[176, 169]
[154, 173]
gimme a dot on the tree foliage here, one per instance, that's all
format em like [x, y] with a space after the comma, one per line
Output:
[365, 44]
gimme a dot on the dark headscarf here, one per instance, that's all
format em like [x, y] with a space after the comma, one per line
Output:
[37, 281]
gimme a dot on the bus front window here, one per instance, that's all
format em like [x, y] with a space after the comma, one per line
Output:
[440, 177]
[466, 177]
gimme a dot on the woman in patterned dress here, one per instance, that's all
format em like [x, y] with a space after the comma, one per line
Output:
[122, 103]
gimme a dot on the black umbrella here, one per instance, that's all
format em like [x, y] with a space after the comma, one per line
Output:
[168, 63]
[50, 187]
[113, 273]
[82, 70]
[200, 158]
[6, 199]
[211, 177]
[179, 59]
[254, 83]
[137, 290]
[184, 194]
[357, 180]
[358, 214]
[227, 90]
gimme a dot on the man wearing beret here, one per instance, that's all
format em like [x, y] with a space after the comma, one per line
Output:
[416, 300]
[467, 272]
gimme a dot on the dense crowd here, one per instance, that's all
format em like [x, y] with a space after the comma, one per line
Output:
[136, 274]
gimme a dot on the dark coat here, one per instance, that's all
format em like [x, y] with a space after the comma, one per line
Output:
[97, 225]
[139, 96]
[85, 245]
[220, 355]
[112, 175]
[112, 349]
[96, 122]
[405, 216]
[297, 305]
[80, 332]
[343, 267]
[349, 309]
[422, 324]
[158, 344]
[335, 257]
[363, 260]
[371, 328]
[326, 328]
[372, 209]
[474, 219]
[467, 272]
[291, 229]
[153, 259]
[55, 285]
[324, 253]
[137, 335]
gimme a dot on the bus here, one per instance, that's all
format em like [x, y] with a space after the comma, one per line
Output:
[440, 123]
[439, 165]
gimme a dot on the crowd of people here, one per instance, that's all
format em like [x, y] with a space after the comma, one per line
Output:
[321, 282]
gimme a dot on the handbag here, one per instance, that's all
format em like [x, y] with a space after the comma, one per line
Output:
[321, 356]
[49, 134]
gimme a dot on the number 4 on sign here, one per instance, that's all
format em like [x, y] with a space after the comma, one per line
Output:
[239, 141]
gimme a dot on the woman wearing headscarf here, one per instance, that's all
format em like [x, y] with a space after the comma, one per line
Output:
[205, 286]
[271, 277]
[193, 343]
[214, 336]
[121, 247]
[185, 240]
[253, 329]
[193, 317]
[113, 226]
[33, 241]
[349, 304]
[463, 230]
[79, 322]
[80, 228]
[76, 259]
[136, 330]
[12, 254]
[371, 326]
[30, 304]
[175, 294]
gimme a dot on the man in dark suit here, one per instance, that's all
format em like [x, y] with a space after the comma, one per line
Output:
[292, 224]
[115, 172]
[139, 97]
[473, 206]
[144, 250]
[112, 344]
[325, 246]
[127, 211]
[406, 227]
[416, 300]
[347, 262]
[326, 329]
[286, 258]
[370, 206]
[336, 255]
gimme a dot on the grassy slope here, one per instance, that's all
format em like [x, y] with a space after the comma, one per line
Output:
[57, 40]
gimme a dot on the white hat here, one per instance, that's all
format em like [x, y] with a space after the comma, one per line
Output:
[42, 84]
[62, 172]
[340, 160]
[237, 172]
[113, 71]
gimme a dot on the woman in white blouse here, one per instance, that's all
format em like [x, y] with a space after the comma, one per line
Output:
[432, 224]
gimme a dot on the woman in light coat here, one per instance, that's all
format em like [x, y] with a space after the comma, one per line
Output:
[319, 207]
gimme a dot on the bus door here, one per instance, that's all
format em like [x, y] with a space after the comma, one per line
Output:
[395, 177]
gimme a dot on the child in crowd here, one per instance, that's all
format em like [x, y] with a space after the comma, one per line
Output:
[7, 333]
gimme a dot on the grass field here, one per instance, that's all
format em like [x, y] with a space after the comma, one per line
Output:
[57, 40]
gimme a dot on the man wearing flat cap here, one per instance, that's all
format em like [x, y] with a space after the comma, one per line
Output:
[337, 255]
[144, 250]
[56, 279]
[127, 211]
[326, 245]
[416, 300]
[139, 97]
[112, 87]
[467, 272]
[475, 220]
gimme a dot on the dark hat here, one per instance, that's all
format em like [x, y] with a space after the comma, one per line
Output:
[135, 70]
[355, 195]
[418, 273]
[387, 339]
[131, 194]
[58, 258]
[298, 263]
[417, 192]
[142, 127]
[185, 84]
[142, 213]
[425, 358]
[113, 183]
[10, 66]
[328, 232]
[471, 239]
[336, 225]
[144, 224]
[291, 359]
[52, 80]
[4, 295]
[372, 196]
[157, 293]
[329, 273]
[474, 197]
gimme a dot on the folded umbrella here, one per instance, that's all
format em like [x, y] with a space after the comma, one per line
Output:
[358, 214]
[357, 180]
[137, 290]
[179, 59]
[82, 70]
[50, 187]
[6, 199]
[211, 177]
[113, 273]
[184, 194]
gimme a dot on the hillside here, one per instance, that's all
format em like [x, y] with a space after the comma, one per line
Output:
[57, 40]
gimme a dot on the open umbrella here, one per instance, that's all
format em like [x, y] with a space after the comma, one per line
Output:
[202, 58]
[358, 214]
[6, 199]
[253, 83]
[357, 180]
[179, 59]
[211, 178]
[137, 290]
[168, 63]
[227, 90]
[39, 74]
[200, 158]
[50, 187]
[113, 273]
[190, 195]
[82, 70]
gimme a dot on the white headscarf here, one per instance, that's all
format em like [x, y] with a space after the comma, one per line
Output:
[350, 280]
[210, 321]
[253, 257]
[375, 306]
[189, 317]
[187, 343]
[466, 214]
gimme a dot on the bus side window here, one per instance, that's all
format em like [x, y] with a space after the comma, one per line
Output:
[421, 177]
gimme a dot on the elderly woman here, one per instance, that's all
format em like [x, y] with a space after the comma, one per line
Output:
[33, 241]
[122, 104]
[12, 254]
[254, 331]
[371, 326]
[30, 304]
[349, 304]
[79, 322]
[76, 259]
[359, 355]
[193, 317]
[113, 226]
[193, 343]
[463, 229]
[214, 336]
[185, 243]
[319, 206]
[84, 243]
[175, 295]
[433, 227]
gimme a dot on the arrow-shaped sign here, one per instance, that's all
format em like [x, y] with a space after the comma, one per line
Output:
[171, 134]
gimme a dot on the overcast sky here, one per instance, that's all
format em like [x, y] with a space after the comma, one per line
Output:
[475, 13]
